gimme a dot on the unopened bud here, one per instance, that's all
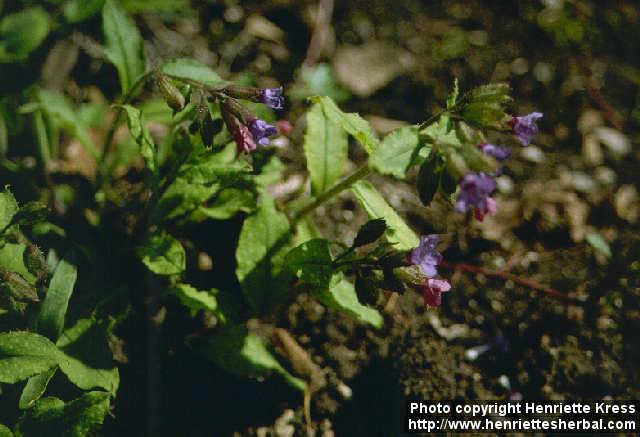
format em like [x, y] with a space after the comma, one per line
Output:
[413, 276]
[171, 94]
[34, 261]
[16, 287]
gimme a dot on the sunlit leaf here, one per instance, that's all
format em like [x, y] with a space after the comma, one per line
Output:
[50, 321]
[163, 255]
[21, 33]
[24, 354]
[396, 152]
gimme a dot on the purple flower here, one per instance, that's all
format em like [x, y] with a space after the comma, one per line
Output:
[272, 97]
[475, 189]
[426, 255]
[261, 131]
[432, 291]
[525, 127]
[498, 152]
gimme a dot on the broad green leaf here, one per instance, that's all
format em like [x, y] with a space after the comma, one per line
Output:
[163, 255]
[341, 295]
[305, 231]
[491, 93]
[241, 353]
[227, 204]
[311, 262]
[85, 357]
[5, 432]
[12, 259]
[442, 131]
[21, 33]
[486, 115]
[52, 417]
[598, 243]
[8, 208]
[50, 322]
[140, 133]
[192, 71]
[60, 109]
[325, 147]
[195, 299]
[24, 354]
[263, 237]
[375, 205]
[397, 152]
[355, 125]
[36, 386]
[123, 44]
[79, 10]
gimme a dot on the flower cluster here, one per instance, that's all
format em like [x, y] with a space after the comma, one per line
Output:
[249, 131]
[427, 258]
[476, 188]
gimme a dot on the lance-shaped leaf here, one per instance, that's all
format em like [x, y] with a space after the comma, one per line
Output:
[163, 255]
[50, 321]
[35, 388]
[192, 71]
[60, 109]
[355, 125]
[24, 354]
[375, 205]
[123, 44]
[325, 147]
[242, 353]
[8, 208]
[85, 357]
[21, 33]
[397, 152]
[194, 298]
[341, 295]
[141, 135]
[52, 417]
[264, 239]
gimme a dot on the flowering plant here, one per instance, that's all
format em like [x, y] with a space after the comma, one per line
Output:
[213, 158]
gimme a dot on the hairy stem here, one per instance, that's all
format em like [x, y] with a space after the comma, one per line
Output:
[343, 184]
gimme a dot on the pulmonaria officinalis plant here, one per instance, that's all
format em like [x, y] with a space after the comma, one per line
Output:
[212, 162]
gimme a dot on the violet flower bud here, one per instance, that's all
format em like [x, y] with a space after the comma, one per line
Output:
[261, 130]
[475, 189]
[241, 135]
[525, 127]
[498, 152]
[432, 291]
[426, 256]
[272, 97]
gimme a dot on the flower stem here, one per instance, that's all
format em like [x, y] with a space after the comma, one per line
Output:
[345, 183]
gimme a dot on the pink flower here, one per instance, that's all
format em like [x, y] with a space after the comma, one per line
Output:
[433, 289]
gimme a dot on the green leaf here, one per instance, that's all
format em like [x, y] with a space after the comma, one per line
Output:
[241, 353]
[397, 152]
[311, 262]
[5, 432]
[58, 107]
[52, 417]
[453, 97]
[31, 213]
[36, 386]
[12, 259]
[263, 239]
[325, 147]
[50, 322]
[21, 33]
[491, 93]
[8, 208]
[123, 44]
[195, 299]
[442, 131]
[486, 115]
[163, 255]
[355, 125]
[24, 354]
[341, 296]
[375, 205]
[141, 135]
[227, 204]
[192, 71]
[79, 10]
[85, 357]
[429, 178]
[305, 231]
[598, 243]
